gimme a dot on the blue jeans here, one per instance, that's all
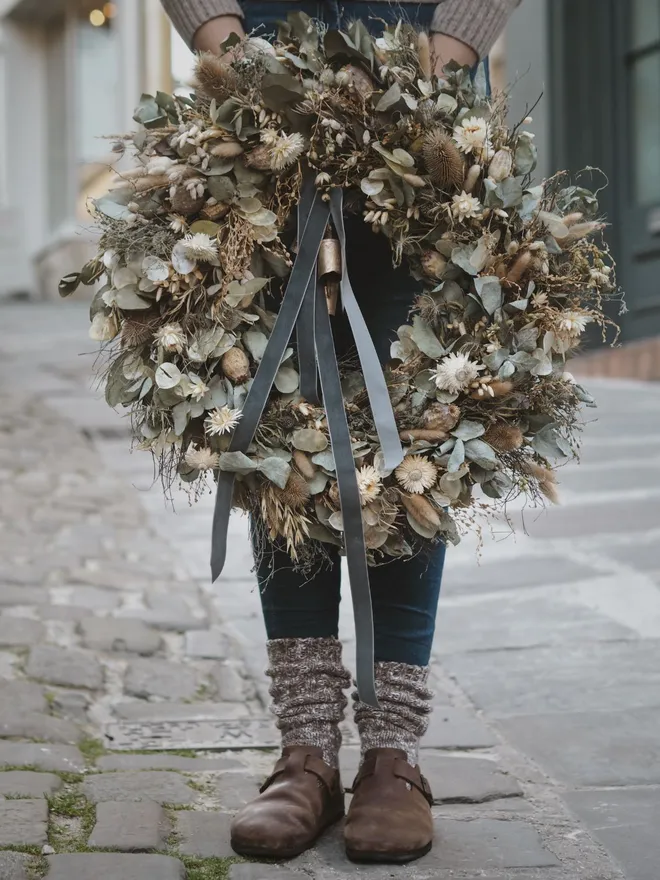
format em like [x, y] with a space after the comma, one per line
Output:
[404, 593]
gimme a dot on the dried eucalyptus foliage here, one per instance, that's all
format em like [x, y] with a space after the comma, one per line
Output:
[194, 247]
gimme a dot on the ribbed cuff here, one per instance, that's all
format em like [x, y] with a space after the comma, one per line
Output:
[477, 23]
[188, 16]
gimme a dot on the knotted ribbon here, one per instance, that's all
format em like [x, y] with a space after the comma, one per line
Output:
[304, 309]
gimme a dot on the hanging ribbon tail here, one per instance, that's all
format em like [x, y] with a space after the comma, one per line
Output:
[349, 497]
[255, 402]
[379, 398]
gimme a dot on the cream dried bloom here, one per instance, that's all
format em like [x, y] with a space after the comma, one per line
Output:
[473, 136]
[456, 372]
[222, 420]
[202, 459]
[200, 246]
[286, 150]
[573, 324]
[171, 337]
[104, 327]
[177, 223]
[196, 388]
[465, 206]
[416, 474]
[600, 277]
[369, 484]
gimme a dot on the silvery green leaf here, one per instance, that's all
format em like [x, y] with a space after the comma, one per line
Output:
[286, 380]
[530, 203]
[425, 531]
[506, 370]
[527, 338]
[391, 97]
[523, 360]
[457, 457]
[545, 442]
[461, 257]
[481, 453]
[221, 188]
[181, 413]
[263, 217]
[481, 254]
[520, 304]
[310, 440]
[584, 395]
[237, 463]
[553, 223]
[510, 192]
[276, 470]
[155, 269]
[425, 339]
[445, 396]
[468, 430]
[127, 298]
[425, 87]
[325, 460]
[492, 198]
[451, 487]
[495, 360]
[319, 533]
[543, 365]
[424, 382]
[168, 376]
[489, 289]
[525, 155]
[255, 342]
[446, 104]
[336, 521]
[181, 262]
[317, 483]
[352, 384]
[371, 187]
[124, 277]
[219, 167]
[237, 291]
[148, 113]
[114, 204]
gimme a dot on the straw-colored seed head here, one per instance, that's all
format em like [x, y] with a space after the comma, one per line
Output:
[504, 437]
[296, 492]
[443, 160]
[422, 510]
[303, 463]
[433, 264]
[260, 158]
[135, 333]
[214, 77]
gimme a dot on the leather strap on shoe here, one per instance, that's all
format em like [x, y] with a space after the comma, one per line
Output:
[305, 763]
[398, 767]
[412, 775]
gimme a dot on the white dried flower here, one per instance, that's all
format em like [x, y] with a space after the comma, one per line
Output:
[465, 206]
[540, 299]
[200, 246]
[322, 178]
[196, 388]
[222, 420]
[177, 223]
[416, 474]
[599, 277]
[171, 337]
[568, 377]
[269, 137]
[369, 484]
[573, 324]
[286, 150]
[473, 136]
[456, 372]
[202, 459]
[104, 327]
[160, 165]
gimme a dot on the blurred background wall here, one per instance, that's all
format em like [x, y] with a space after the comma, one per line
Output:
[71, 72]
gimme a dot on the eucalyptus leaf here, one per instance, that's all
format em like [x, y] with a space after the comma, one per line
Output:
[325, 460]
[468, 430]
[181, 413]
[310, 440]
[481, 453]
[457, 457]
[286, 380]
[69, 284]
[489, 289]
[168, 376]
[425, 531]
[317, 483]
[276, 470]
[391, 97]
[461, 257]
[545, 442]
[319, 533]
[510, 192]
[255, 342]
[425, 339]
[525, 155]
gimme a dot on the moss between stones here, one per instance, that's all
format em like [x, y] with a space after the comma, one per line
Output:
[92, 749]
[208, 869]
[72, 819]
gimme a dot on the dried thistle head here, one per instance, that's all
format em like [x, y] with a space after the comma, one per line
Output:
[136, 332]
[295, 494]
[504, 437]
[214, 78]
[443, 159]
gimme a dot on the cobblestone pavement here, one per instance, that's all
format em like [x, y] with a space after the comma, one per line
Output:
[132, 699]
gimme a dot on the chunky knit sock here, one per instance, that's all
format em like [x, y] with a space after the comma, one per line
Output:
[405, 706]
[308, 684]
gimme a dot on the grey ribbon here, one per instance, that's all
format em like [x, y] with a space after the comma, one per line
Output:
[304, 308]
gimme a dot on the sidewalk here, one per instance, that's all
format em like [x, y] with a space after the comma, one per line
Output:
[133, 703]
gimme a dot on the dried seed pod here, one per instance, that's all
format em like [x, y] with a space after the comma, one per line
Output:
[227, 149]
[471, 178]
[501, 165]
[304, 464]
[504, 437]
[414, 180]
[260, 158]
[235, 365]
[136, 332]
[444, 161]
[428, 435]
[422, 510]
[215, 212]
[333, 495]
[433, 264]
[185, 203]
[359, 80]
[214, 77]
[519, 267]
[441, 416]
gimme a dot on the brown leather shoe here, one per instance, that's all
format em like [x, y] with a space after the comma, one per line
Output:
[302, 798]
[389, 819]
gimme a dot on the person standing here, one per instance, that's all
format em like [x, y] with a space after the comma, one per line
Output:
[389, 819]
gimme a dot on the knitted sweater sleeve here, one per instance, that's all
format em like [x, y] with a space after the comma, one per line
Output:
[188, 16]
[478, 23]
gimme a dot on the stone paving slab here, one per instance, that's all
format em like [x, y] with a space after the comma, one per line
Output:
[13, 866]
[205, 835]
[23, 822]
[592, 748]
[161, 678]
[467, 780]
[543, 680]
[34, 725]
[66, 667]
[168, 762]
[160, 786]
[114, 866]
[262, 872]
[130, 827]
[452, 728]
[234, 790]
[518, 572]
[27, 784]
[626, 822]
[23, 696]
[54, 758]
[140, 710]
[16, 632]
[108, 634]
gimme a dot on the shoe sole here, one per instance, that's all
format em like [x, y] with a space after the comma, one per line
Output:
[256, 852]
[388, 858]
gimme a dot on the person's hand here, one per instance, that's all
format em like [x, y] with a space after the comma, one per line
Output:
[446, 49]
[212, 34]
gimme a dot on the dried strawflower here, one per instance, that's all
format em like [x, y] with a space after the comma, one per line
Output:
[202, 458]
[222, 420]
[456, 372]
[465, 206]
[177, 223]
[200, 246]
[473, 136]
[286, 150]
[104, 327]
[170, 337]
[369, 483]
[572, 324]
[416, 474]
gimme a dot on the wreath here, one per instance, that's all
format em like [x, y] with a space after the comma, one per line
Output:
[196, 245]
